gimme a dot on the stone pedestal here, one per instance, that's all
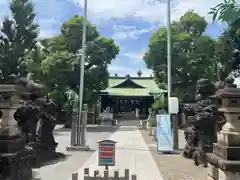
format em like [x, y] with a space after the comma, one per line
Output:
[106, 119]
[14, 155]
[78, 135]
[225, 159]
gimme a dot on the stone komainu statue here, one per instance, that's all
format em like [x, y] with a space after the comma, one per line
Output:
[37, 119]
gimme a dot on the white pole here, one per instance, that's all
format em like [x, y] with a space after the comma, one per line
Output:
[169, 74]
[81, 85]
[169, 49]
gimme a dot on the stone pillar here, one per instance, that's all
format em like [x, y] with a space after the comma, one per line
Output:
[14, 155]
[225, 159]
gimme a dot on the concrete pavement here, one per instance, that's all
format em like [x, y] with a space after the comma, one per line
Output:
[131, 152]
[175, 166]
[61, 170]
[135, 150]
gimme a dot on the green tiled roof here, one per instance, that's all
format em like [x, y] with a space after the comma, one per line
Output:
[114, 81]
[150, 84]
[127, 91]
[147, 82]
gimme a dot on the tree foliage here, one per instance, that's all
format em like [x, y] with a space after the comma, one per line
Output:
[55, 61]
[21, 35]
[192, 53]
[228, 12]
[64, 61]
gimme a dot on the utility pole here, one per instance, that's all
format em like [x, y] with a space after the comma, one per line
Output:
[80, 129]
[169, 74]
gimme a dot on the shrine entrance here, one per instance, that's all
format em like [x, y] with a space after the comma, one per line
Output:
[127, 104]
[125, 94]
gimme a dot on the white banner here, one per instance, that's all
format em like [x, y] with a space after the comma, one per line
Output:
[164, 133]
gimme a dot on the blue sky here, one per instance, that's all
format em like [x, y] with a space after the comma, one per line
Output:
[130, 23]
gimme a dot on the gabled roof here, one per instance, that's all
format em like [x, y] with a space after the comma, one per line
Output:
[128, 83]
[132, 86]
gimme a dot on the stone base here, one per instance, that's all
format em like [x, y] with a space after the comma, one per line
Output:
[221, 169]
[226, 152]
[111, 122]
[225, 165]
[215, 173]
[228, 138]
[12, 144]
[77, 148]
[16, 166]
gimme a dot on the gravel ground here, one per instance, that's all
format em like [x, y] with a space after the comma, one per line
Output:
[175, 167]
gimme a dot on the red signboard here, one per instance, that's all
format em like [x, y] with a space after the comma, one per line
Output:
[106, 153]
[105, 148]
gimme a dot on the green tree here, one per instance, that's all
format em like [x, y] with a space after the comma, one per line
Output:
[192, 23]
[192, 54]
[63, 62]
[71, 32]
[228, 12]
[224, 51]
[22, 35]
[56, 68]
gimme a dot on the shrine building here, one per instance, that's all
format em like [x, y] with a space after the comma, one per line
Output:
[125, 94]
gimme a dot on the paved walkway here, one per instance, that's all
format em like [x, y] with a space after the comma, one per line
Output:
[135, 150]
[175, 166]
[62, 169]
[131, 152]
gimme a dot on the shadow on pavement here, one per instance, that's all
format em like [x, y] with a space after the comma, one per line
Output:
[49, 159]
[61, 157]
[175, 152]
[97, 128]
[89, 129]
[102, 129]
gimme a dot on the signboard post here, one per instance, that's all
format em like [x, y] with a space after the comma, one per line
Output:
[164, 133]
[106, 154]
[173, 109]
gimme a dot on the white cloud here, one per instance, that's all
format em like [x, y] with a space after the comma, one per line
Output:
[147, 10]
[4, 2]
[47, 33]
[48, 27]
[4, 9]
[123, 71]
[125, 32]
[135, 56]
[47, 21]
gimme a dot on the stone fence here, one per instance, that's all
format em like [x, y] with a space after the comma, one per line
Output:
[105, 176]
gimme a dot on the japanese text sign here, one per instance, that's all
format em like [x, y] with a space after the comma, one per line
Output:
[106, 155]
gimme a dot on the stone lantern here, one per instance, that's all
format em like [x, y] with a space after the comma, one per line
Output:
[14, 155]
[225, 159]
